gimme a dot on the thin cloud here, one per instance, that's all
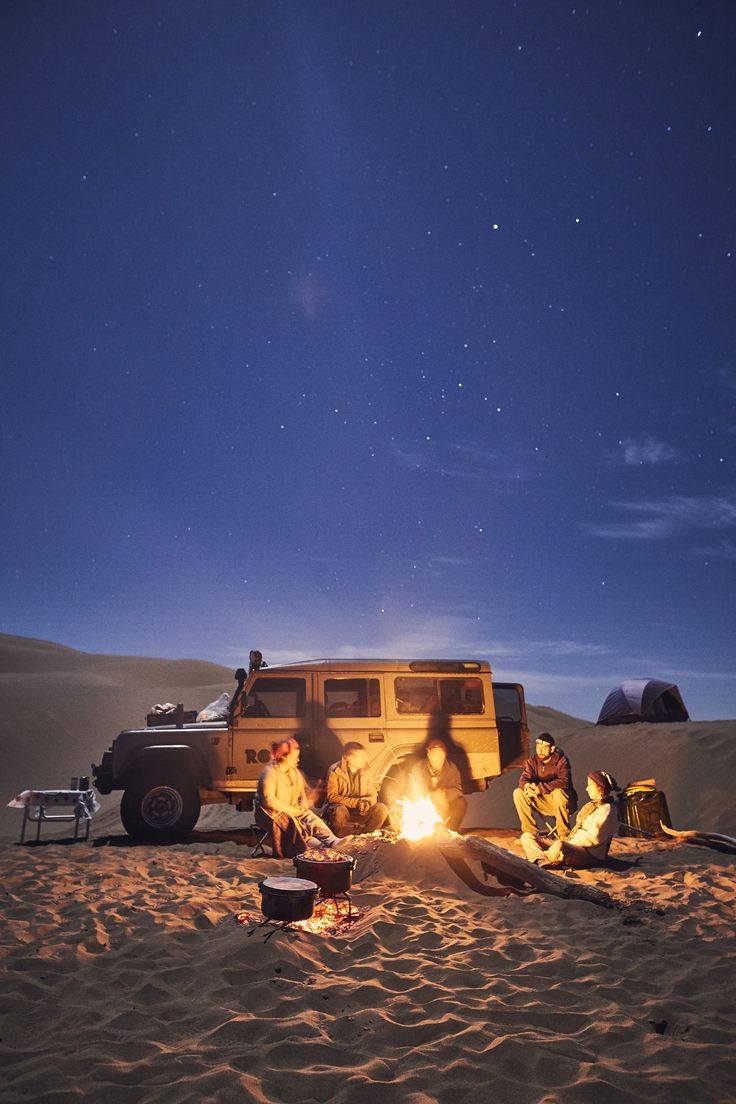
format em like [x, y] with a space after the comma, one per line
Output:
[462, 460]
[651, 520]
[727, 375]
[724, 550]
[566, 648]
[543, 681]
[411, 458]
[440, 636]
[648, 451]
[657, 668]
[454, 561]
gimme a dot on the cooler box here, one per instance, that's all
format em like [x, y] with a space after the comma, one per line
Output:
[641, 808]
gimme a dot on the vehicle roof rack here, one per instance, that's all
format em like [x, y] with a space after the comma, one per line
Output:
[444, 666]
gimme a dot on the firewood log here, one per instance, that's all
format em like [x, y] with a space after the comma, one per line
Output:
[703, 839]
[498, 858]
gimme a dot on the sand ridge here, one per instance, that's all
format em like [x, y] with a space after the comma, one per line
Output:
[126, 978]
[62, 708]
[152, 993]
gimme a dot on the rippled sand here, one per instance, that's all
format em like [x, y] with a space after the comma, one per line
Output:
[127, 979]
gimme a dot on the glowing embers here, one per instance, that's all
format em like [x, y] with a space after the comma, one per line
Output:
[322, 855]
[418, 819]
[331, 916]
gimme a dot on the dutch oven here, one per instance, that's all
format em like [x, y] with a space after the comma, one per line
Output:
[287, 898]
[332, 877]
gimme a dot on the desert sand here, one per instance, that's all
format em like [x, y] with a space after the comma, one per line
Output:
[126, 977]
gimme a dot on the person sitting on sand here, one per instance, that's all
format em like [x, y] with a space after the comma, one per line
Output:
[590, 839]
[352, 797]
[546, 787]
[437, 777]
[281, 805]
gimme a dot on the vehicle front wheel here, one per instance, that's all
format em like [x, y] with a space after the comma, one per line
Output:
[160, 806]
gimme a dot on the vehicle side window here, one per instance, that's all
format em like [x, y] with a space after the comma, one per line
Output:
[447, 695]
[276, 697]
[352, 697]
[464, 695]
[416, 695]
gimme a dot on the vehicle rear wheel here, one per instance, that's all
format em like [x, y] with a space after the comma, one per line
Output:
[160, 806]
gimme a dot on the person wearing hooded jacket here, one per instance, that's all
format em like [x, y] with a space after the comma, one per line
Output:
[546, 787]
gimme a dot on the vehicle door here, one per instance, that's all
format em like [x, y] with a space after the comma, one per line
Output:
[513, 733]
[274, 707]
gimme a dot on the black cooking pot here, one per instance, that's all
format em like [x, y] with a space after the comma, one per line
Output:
[287, 898]
[331, 877]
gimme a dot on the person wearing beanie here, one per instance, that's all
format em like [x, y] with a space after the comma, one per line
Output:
[595, 826]
[546, 787]
[438, 778]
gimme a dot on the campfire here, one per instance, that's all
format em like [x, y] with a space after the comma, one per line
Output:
[318, 899]
[418, 819]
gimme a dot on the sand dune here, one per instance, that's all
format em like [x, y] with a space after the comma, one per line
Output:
[126, 977]
[693, 764]
[62, 708]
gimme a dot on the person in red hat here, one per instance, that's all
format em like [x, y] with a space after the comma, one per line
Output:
[281, 806]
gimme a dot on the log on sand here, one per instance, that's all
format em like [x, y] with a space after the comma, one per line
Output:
[511, 866]
[714, 840]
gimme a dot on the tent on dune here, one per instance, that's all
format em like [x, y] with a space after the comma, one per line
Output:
[643, 700]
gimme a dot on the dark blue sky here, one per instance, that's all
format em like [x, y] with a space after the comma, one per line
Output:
[384, 329]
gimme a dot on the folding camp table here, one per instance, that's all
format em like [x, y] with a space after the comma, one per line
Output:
[35, 803]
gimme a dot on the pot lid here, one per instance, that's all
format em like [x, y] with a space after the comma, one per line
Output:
[289, 885]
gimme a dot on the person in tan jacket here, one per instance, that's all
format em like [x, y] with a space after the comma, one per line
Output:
[352, 797]
[281, 806]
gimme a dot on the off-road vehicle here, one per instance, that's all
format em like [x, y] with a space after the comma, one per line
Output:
[168, 771]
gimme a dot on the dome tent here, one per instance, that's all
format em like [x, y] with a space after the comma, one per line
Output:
[643, 700]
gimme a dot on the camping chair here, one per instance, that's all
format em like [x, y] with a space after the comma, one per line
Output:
[262, 836]
[282, 833]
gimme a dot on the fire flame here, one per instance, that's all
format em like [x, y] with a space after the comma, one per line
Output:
[330, 917]
[418, 818]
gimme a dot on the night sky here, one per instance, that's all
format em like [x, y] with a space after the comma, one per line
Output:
[392, 329]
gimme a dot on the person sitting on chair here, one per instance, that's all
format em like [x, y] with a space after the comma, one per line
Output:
[352, 798]
[546, 787]
[281, 805]
[437, 777]
[590, 839]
